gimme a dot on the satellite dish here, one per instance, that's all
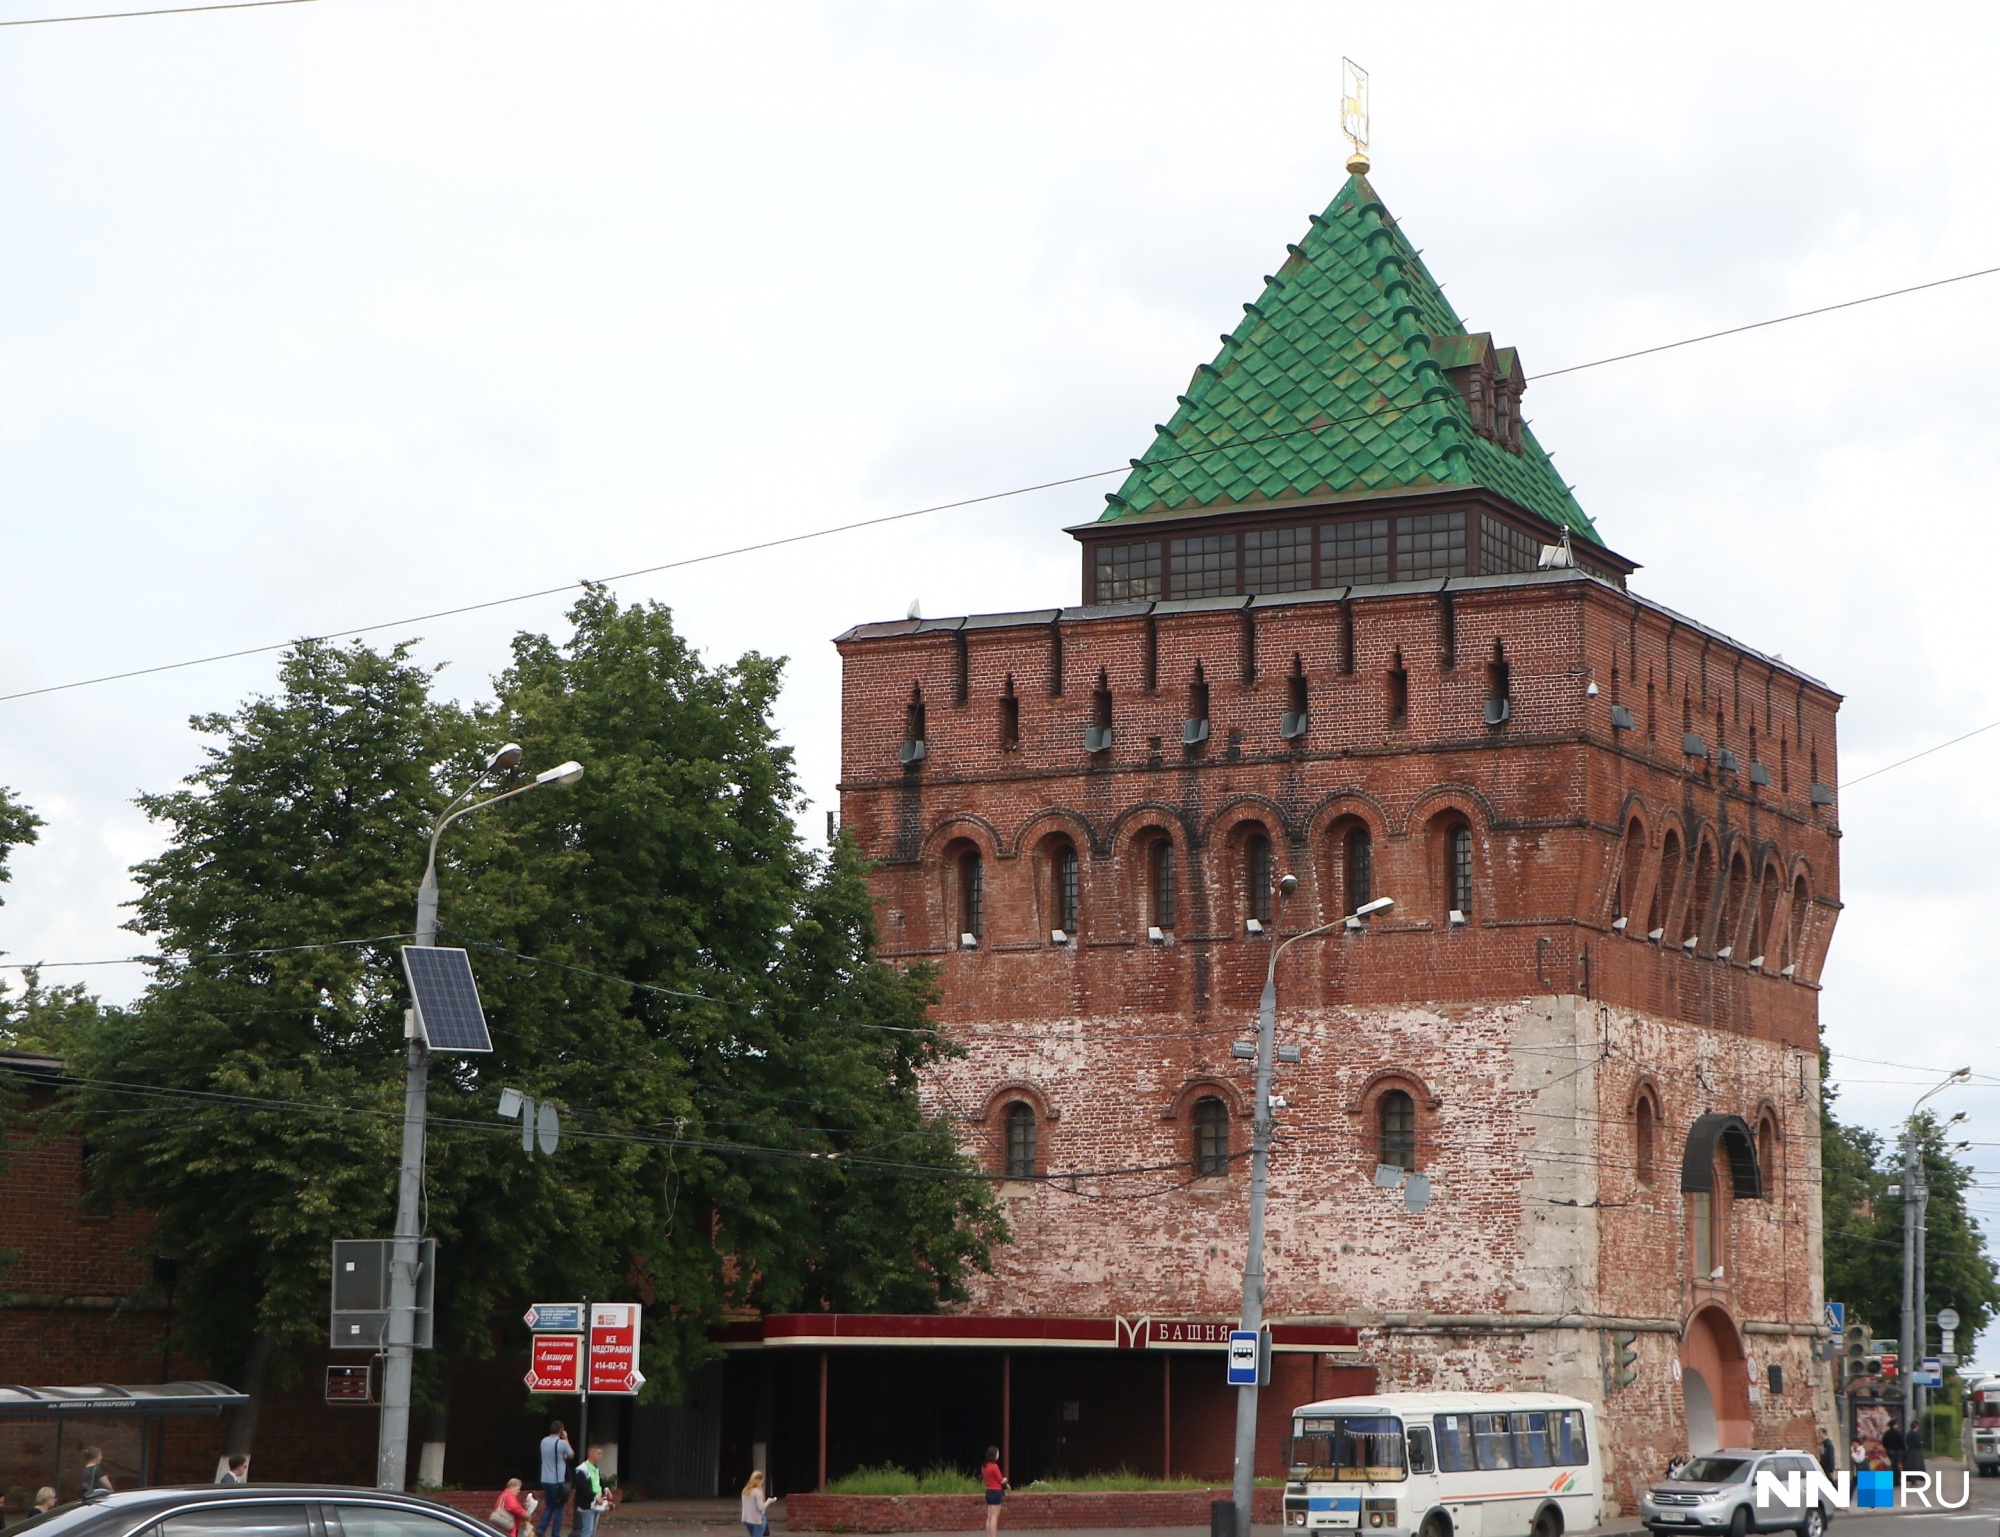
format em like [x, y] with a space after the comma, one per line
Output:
[547, 1128]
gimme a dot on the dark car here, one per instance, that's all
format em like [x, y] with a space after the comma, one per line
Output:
[253, 1510]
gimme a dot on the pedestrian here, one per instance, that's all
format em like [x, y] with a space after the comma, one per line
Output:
[237, 1471]
[509, 1514]
[756, 1506]
[1826, 1452]
[1913, 1450]
[95, 1479]
[996, 1489]
[556, 1457]
[588, 1485]
[1892, 1447]
[45, 1500]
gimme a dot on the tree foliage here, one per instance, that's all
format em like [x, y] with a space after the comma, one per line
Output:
[658, 954]
[1864, 1228]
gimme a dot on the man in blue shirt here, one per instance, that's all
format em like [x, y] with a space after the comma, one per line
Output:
[557, 1455]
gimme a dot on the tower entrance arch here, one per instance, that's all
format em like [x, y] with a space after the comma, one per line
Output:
[1715, 1382]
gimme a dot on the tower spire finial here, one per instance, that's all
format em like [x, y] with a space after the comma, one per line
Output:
[1354, 114]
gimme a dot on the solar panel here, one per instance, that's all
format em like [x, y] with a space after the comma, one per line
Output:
[447, 999]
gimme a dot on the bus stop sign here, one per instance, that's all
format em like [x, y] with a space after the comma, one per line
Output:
[1243, 1358]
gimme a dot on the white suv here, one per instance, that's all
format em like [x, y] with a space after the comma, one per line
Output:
[1717, 1492]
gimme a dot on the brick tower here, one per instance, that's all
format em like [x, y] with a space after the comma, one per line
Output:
[1559, 1106]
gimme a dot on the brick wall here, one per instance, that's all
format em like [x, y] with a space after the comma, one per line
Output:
[1525, 1036]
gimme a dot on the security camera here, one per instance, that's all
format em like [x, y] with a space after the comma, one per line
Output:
[1287, 884]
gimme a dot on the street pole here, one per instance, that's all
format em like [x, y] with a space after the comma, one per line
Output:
[1916, 1196]
[1907, 1365]
[1244, 1481]
[392, 1446]
[1921, 1396]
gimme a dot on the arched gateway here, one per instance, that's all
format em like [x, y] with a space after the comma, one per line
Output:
[1715, 1383]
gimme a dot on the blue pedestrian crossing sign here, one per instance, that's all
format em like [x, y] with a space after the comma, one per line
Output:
[1836, 1318]
[1242, 1358]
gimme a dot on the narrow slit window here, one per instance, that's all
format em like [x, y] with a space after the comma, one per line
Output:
[1010, 717]
[1257, 877]
[1396, 1123]
[1458, 854]
[1211, 1138]
[1020, 1124]
[1358, 854]
[972, 894]
[1399, 693]
[1069, 888]
[1160, 873]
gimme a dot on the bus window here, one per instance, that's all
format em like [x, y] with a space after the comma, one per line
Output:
[1454, 1443]
[1492, 1441]
[1419, 1448]
[1571, 1450]
[1531, 1439]
[1362, 1448]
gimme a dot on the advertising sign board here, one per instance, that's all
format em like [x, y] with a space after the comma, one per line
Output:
[555, 1318]
[614, 1348]
[555, 1365]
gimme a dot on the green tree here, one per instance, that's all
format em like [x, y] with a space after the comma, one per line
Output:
[658, 953]
[1864, 1227]
[18, 825]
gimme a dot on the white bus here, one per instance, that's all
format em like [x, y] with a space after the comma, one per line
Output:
[1445, 1465]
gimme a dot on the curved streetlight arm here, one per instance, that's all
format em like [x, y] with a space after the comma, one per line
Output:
[427, 892]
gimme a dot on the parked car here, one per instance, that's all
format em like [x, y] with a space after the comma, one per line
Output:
[253, 1510]
[1718, 1492]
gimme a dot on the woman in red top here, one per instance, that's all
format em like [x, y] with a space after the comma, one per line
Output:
[511, 1504]
[996, 1489]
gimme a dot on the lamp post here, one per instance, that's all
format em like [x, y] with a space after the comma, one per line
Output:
[1260, 1179]
[1916, 1196]
[392, 1449]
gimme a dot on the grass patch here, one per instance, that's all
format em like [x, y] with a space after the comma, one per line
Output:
[890, 1479]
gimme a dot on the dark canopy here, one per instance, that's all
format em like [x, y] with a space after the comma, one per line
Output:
[1698, 1164]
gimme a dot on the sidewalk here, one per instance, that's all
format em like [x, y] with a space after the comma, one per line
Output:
[717, 1518]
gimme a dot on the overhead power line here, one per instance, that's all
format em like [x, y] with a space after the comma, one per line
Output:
[171, 10]
[918, 512]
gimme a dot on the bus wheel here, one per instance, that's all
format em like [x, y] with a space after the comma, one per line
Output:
[1548, 1522]
[1435, 1526]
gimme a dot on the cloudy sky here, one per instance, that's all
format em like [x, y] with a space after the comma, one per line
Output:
[329, 313]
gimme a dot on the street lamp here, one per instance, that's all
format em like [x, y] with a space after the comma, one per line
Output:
[1260, 1179]
[1916, 1197]
[393, 1446]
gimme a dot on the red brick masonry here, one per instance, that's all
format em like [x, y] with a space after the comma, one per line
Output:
[1041, 1512]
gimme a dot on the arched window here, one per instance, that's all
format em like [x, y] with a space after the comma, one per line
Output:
[1396, 1124]
[971, 894]
[1628, 872]
[1666, 886]
[1768, 890]
[1257, 877]
[1211, 1137]
[1020, 1125]
[1068, 894]
[1160, 882]
[1795, 928]
[1767, 1153]
[1696, 927]
[1735, 897]
[1645, 1135]
[1358, 859]
[1458, 867]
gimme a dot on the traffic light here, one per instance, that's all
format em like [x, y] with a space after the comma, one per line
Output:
[1624, 1360]
[1854, 1351]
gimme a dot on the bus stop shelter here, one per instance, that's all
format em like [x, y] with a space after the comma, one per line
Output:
[145, 1403]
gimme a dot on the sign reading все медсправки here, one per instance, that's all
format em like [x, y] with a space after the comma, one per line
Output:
[1872, 1489]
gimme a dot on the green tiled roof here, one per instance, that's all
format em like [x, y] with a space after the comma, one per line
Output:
[1334, 384]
